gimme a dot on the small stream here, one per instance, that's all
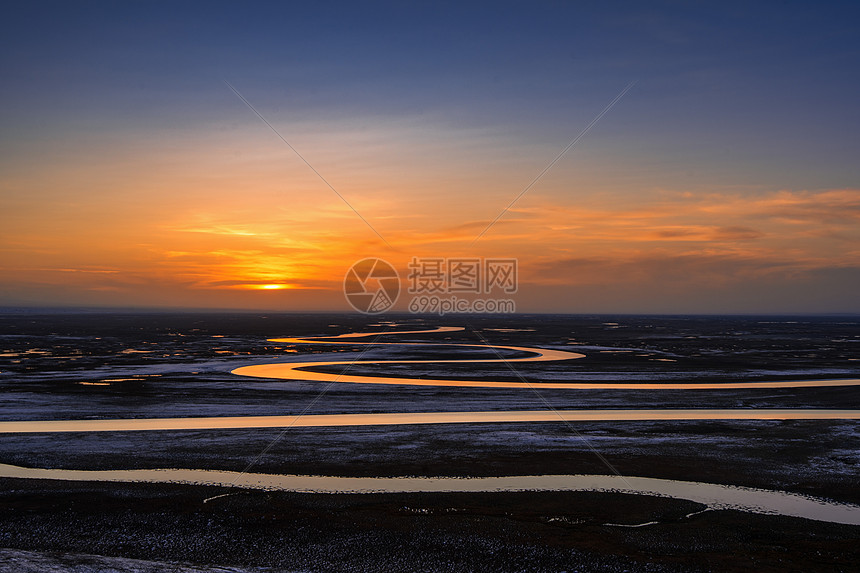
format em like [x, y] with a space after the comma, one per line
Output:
[714, 496]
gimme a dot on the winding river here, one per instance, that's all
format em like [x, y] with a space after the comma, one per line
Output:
[300, 370]
[714, 496]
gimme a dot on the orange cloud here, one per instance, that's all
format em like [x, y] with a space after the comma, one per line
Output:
[231, 251]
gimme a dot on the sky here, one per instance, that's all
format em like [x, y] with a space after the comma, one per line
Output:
[725, 180]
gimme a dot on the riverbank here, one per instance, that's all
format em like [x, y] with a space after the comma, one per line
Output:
[548, 531]
[155, 368]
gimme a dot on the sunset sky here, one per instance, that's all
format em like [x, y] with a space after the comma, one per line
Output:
[727, 179]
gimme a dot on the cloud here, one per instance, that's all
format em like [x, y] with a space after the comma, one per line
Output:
[658, 242]
[687, 240]
[736, 233]
[831, 207]
[685, 268]
[703, 233]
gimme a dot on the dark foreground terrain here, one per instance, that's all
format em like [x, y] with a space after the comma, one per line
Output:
[551, 531]
[121, 366]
